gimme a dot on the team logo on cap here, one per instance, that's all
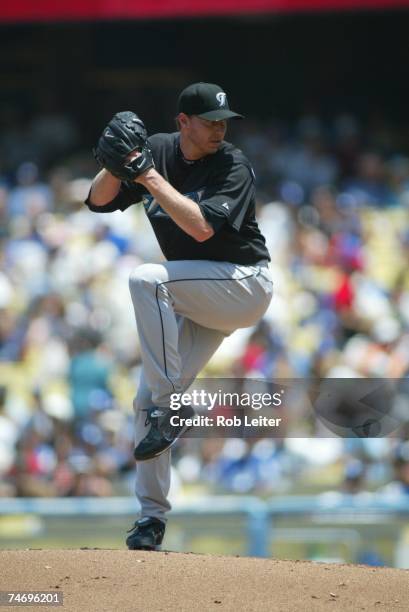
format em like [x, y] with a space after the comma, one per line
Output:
[221, 98]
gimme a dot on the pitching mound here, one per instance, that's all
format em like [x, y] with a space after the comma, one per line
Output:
[116, 580]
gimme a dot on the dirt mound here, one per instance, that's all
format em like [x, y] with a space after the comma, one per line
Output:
[116, 580]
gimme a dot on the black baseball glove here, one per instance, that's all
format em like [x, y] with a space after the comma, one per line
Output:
[123, 138]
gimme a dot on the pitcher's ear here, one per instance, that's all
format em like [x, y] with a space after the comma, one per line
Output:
[182, 120]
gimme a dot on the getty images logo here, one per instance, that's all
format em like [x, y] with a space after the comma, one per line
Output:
[221, 98]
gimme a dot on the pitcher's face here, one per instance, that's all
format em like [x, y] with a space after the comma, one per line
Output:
[202, 136]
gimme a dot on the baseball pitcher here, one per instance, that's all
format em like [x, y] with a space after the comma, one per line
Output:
[199, 195]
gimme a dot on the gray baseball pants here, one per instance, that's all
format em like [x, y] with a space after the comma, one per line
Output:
[184, 310]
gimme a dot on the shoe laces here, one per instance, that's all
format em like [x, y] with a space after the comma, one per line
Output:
[136, 526]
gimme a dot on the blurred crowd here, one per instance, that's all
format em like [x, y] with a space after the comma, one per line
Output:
[334, 208]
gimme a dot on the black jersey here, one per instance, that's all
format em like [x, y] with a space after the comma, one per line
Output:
[222, 184]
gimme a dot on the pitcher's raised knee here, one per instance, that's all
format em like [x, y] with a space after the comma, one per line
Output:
[147, 276]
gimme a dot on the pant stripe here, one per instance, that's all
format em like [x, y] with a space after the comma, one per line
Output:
[160, 312]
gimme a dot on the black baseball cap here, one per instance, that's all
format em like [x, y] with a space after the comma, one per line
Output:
[206, 100]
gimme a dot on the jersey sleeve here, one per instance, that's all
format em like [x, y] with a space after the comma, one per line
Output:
[228, 196]
[129, 194]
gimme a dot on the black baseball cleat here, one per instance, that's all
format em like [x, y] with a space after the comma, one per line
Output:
[162, 434]
[146, 534]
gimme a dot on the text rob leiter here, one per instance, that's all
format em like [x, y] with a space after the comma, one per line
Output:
[222, 421]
